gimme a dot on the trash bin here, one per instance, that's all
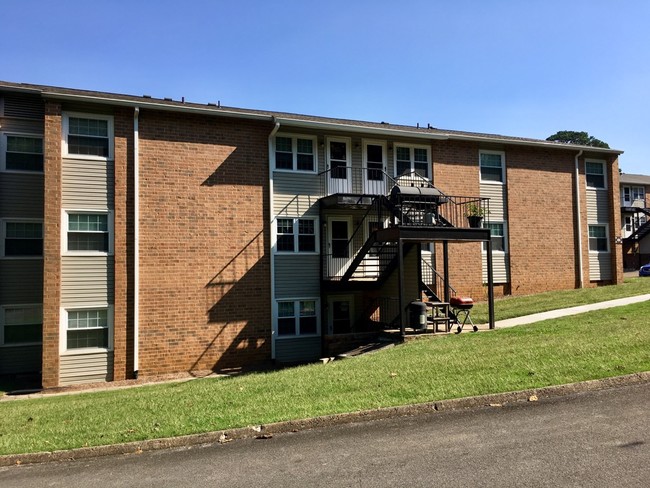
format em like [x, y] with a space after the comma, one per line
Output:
[417, 315]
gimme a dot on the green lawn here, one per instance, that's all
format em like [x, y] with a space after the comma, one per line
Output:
[589, 346]
[518, 306]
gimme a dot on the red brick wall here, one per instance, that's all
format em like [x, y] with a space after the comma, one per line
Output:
[204, 240]
[51, 244]
[540, 198]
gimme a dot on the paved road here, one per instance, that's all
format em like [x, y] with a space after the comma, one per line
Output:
[592, 439]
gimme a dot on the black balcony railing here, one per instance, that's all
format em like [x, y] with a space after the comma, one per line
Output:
[366, 180]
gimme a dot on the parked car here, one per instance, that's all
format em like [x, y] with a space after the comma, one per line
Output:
[644, 270]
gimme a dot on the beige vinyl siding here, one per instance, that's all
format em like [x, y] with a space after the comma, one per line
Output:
[21, 195]
[20, 359]
[597, 207]
[22, 126]
[498, 213]
[297, 275]
[600, 263]
[86, 280]
[298, 349]
[21, 281]
[87, 184]
[500, 269]
[86, 368]
[295, 194]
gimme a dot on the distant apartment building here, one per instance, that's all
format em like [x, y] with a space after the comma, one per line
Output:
[635, 219]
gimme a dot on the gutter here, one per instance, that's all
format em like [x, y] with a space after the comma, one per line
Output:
[579, 220]
[276, 127]
[136, 242]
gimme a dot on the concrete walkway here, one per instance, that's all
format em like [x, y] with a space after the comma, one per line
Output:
[564, 312]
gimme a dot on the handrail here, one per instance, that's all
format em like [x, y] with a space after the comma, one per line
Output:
[438, 278]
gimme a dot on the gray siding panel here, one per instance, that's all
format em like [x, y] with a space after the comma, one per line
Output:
[21, 195]
[297, 276]
[600, 266]
[497, 198]
[20, 359]
[86, 368]
[87, 184]
[298, 349]
[86, 280]
[295, 194]
[500, 271]
[597, 207]
[21, 281]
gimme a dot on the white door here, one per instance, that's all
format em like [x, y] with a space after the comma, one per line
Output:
[339, 249]
[374, 168]
[339, 175]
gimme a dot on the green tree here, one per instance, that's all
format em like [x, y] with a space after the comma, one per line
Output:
[579, 138]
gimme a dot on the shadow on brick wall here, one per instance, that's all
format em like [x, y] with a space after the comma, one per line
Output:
[237, 303]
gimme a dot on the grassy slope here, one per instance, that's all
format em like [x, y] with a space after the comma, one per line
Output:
[589, 346]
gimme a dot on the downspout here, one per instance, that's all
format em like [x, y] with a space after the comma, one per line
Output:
[579, 221]
[273, 233]
[136, 242]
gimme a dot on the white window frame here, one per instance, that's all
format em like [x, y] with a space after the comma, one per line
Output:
[65, 133]
[411, 148]
[2, 323]
[65, 214]
[604, 175]
[294, 151]
[63, 335]
[3, 151]
[504, 224]
[606, 227]
[296, 317]
[296, 235]
[3, 236]
[503, 167]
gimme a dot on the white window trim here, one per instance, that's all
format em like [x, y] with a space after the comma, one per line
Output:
[3, 152]
[294, 152]
[411, 147]
[64, 133]
[65, 213]
[2, 323]
[603, 163]
[505, 237]
[296, 235]
[503, 167]
[606, 237]
[3, 235]
[63, 336]
[296, 316]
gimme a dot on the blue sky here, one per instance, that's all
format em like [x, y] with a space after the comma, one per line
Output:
[521, 68]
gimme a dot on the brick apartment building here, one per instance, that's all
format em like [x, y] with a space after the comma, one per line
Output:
[144, 237]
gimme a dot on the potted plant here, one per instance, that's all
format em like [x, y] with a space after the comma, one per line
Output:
[474, 214]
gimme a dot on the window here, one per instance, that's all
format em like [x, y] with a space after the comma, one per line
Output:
[295, 153]
[492, 166]
[598, 238]
[296, 235]
[412, 159]
[23, 153]
[87, 328]
[638, 195]
[21, 324]
[88, 136]
[595, 174]
[297, 317]
[88, 232]
[497, 236]
[22, 239]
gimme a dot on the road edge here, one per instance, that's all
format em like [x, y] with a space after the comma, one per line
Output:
[264, 431]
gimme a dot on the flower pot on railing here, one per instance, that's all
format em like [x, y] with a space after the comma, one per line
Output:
[474, 221]
[474, 214]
